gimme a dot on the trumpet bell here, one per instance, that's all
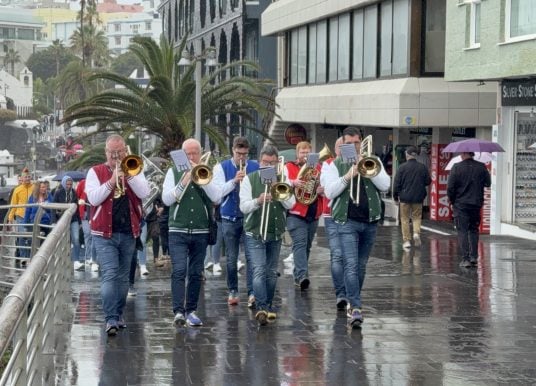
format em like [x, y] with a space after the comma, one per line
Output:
[369, 167]
[201, 175]
[281, 191]
[132, 165]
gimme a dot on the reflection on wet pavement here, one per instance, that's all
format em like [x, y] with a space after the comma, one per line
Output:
[427, 321]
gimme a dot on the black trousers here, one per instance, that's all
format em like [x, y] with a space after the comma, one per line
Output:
[467, 223]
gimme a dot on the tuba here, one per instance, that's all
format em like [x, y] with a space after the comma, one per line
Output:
[311, 176]
[368, 166]
[155, 178]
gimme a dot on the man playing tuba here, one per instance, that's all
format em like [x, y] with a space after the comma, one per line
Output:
[191, 202]
[302, 219]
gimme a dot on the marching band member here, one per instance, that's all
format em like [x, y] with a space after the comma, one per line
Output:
[190, 207]
[230, 173]
[115, 224]
[356, 223]
[302, 219]
[264, 253]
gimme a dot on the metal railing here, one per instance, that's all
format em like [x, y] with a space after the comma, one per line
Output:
[39, 296]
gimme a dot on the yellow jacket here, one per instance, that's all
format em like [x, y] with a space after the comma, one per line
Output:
[21, 195]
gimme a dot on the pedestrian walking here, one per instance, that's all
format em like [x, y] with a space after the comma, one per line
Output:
[465, 190]
[409, 192]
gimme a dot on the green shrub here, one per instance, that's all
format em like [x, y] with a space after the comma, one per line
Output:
[7, 115]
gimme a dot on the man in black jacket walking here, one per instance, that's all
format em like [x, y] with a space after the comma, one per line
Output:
[409, 190]
[465, 190]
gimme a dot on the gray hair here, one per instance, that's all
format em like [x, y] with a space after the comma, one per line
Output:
[269, 150]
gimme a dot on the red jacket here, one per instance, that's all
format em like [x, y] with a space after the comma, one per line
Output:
[101, 216]
[301, 209]
[81, 194]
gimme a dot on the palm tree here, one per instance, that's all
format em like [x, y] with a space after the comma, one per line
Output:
[165, 107]
[57, 49]
[73, 85]
[12, 57]
[92, 44]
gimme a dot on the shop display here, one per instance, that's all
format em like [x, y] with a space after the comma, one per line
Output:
[525, 176]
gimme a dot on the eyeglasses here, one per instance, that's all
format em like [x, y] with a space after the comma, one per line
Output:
[241, 154]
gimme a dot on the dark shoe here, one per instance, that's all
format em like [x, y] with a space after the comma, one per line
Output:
[179, 320]
[341, 304]
[465, 263]
[112, 328]
[356, 319]
[304, 284]
[474, 261]
[121, 323]
[262, 318]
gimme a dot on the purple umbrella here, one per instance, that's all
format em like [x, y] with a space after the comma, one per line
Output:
[473, 145]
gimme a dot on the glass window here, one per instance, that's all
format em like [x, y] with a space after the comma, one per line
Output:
[147, 25]
[118, 40]
[357, 49]
[522, 17]
[302, 55]
[400, 36]
[26, 34]
[117, 27]
[434, 36]
[312, 54]
[294, 57]
[333, 46]
[321, 51]
[344, 47]
[386, 35]
[370, 42]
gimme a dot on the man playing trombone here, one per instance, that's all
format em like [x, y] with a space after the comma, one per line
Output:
[116, 213]
[230, 174]
[356, 208]
[191, 203]
[264, 225]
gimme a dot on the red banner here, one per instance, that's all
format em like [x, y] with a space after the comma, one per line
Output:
[485, 216]
[439, 204]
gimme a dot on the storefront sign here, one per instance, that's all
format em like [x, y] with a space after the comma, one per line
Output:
[439, 204]
[421, 130]
[518, 92]
[464, 132]
[295, 133]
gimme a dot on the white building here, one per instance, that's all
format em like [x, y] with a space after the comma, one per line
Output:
[19, 89]
[121, 31]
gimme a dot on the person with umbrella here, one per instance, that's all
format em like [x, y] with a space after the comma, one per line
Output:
[465, 190]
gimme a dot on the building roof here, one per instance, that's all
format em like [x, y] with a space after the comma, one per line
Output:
[11, 15]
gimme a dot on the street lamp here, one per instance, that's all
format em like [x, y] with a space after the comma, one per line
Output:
[186, 59]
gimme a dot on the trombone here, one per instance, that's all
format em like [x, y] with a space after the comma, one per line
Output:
[131, 165]
[201, 174]
[368, 166]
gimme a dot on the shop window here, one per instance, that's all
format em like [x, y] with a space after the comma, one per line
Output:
[520, 19]
[525, 176]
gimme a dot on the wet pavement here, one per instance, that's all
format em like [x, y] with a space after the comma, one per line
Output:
[427, 322]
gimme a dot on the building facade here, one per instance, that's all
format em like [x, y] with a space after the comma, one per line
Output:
[496, 41]
[232, 27]
[378, 65]
[121, 31]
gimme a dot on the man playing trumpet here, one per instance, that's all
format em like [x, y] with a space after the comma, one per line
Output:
[189, 218]
[115, 224]
[230, 173]
[264, 229]
[357, 214]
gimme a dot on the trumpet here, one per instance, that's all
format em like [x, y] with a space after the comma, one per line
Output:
[368, 166]
[131, 165]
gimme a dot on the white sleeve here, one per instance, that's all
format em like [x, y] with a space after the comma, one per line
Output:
[96, 193]
[382, 181]
[248, 203]
[213, 190]
[219, 176]
[330, 180]
[139, 185]
[170, 191]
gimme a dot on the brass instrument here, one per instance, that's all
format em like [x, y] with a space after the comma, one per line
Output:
[311, 176]
[202, 173]
[368, 166]
[265, 214]
[155, 178]
[281, 191]
[131, 165]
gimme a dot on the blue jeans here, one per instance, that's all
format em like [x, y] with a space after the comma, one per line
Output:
[232, 233]
[75, 241]
[356, 239]
[90, 254]
[335, 249]
[264, 258]
[142, 255]
[187, 252]
[115, 255]
[214, 251]
[302, 234]
[22, 241]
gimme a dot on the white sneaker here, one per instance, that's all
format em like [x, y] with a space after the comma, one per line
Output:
[417, 239]
[209, 265]
[79, 266]
[94, 267]
[216, 268]
[406, 245]
[289, 259]
[143, 270]
[240, 265]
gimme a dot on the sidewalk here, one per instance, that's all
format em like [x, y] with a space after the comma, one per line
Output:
[427, 322]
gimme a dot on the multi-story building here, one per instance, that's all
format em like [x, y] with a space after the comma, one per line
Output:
[121, 31]
[378, 65]
[232, 27]
[496, 41]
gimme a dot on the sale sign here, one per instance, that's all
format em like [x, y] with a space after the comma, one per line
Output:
[440, 209]
[485, 215]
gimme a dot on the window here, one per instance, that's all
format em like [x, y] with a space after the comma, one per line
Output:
[333, 46]
[400, 36]
[434, 37]
[148, 26]
[117, 27]
[321, 51]
[386, 37]
[357, 48]
[312, 54]
[370, 41]
[302, 55]
[293, 57]
[520, 18]
[118, 40]
[344, 47]
[135, 28]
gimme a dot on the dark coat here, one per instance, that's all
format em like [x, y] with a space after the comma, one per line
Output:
[466, 183]
[411, 181]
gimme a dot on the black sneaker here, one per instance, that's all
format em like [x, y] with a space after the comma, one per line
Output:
[112, 328]
[465, 263]
[304, 284]
[341, 304]
[474, 261]
[356, 319]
